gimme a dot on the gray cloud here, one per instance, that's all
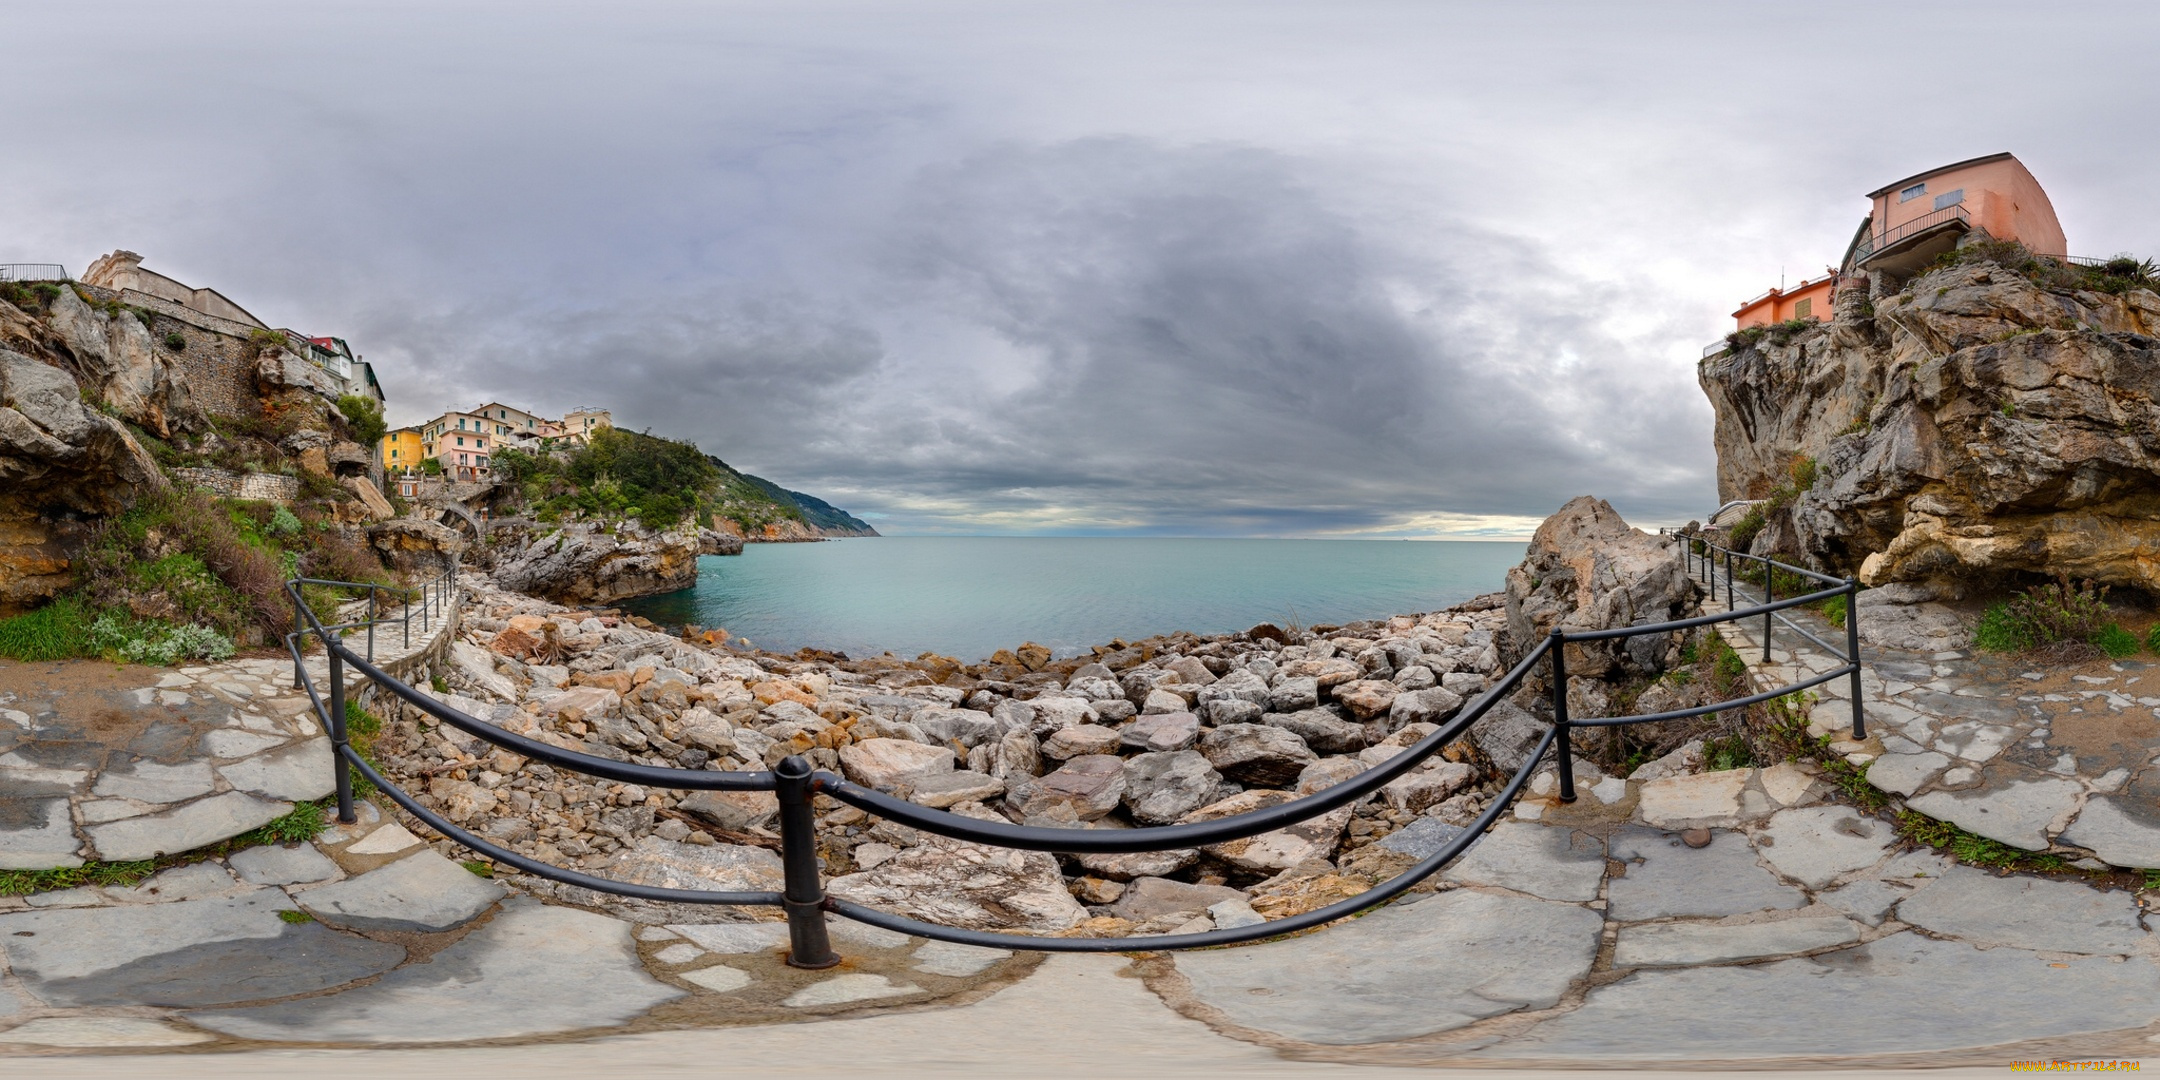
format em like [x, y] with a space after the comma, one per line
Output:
[1281, 269]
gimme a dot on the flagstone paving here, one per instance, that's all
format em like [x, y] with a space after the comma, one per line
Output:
[119, 763]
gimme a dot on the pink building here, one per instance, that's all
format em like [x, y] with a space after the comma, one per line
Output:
[461, 442]
[1918, 218]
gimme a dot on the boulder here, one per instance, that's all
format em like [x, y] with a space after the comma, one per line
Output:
[1589, 570]
[1367, 698]
[1432, 705]
[1160, 788]
[372, 500]
[888, 764]
[1147, 898]
[1083, 789]
[1274, 852]
[1160, 732]
[971, 886]
[735, 811]
[1326, 731]
[1256, 754]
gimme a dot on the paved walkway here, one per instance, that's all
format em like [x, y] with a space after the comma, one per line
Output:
[2055, 759]
[119, 763]
[1583, 935]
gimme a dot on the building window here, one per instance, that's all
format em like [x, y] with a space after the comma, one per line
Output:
[1805, 309]
[1911, 193]
[461, 440]
[1949, 198]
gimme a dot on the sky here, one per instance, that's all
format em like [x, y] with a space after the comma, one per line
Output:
[1341, 269]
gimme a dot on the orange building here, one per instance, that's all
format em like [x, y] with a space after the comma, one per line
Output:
[1922, 216]
[1916, 219]
[1807, 300]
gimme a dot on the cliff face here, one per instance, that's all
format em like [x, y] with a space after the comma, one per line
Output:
[583, 563]
[1977, 423]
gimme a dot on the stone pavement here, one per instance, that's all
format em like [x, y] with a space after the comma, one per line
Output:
[2058, 760]
[1724, 917]
[119, 763]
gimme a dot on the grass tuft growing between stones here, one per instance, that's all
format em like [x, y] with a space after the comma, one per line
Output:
[296, 916]
[102, 875]
[1974, 850]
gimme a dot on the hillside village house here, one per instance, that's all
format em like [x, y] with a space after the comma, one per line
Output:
[460, 442]
[208, 309]
[1914, 220]
[463, 442]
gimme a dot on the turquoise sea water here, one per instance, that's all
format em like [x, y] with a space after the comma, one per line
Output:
[971, 596]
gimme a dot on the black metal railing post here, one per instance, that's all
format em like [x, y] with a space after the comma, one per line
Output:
[336, 721]
[1769, 596]
[1561, 743]
[372, 609]
[1852, 655]
[803, 896]
[299, 639]
[1731, 604]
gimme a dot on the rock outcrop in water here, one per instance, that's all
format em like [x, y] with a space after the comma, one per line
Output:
[1992, 417]
[586, 563]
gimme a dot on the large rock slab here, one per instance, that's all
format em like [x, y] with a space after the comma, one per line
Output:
[967, 885]
[1257, 753]
[1149, 897]
[1404, 971]
[205, 821]
[1667, 878]
[2020, 813]
[885, 764]
[1548, 862]
[1814, 845]
[1162, 787]
[37, 834]
[1686, 944]
[714, 867]
[2026, 913]
[293, 773]
[185, 953]
[422, 892]
[2119, 832]
[533, 970]
[1316, 837]
[1901, 995]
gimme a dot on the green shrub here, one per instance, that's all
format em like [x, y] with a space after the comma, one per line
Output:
[2152, 638]
[155, 643]
[1833, 610]
[363, 415]
[2116, 641]
[1727, 753]
[57, 631]
[283, 522]
[176, 341]
[2000, 631]
[1743, 531]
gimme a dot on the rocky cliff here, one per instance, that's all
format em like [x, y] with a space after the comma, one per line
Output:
[1997, 415]
[586, 563]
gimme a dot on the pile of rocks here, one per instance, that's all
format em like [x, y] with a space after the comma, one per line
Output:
[1174, 729]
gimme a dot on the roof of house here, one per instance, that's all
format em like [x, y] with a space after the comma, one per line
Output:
[1917, 177]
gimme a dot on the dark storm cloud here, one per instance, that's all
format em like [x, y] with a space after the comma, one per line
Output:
[1278, 269]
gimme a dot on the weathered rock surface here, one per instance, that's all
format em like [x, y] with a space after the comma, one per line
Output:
[1587, 569]
[1976, 425]
[588, 564]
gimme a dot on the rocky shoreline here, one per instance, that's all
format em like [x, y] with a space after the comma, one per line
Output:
[1182, 727]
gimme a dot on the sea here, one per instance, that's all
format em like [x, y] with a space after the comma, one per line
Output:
[968, 597]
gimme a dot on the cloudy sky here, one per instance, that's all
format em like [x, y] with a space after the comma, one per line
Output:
[1276, 269]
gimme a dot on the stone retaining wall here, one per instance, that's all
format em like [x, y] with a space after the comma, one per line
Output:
[217, 359]
[266, 487]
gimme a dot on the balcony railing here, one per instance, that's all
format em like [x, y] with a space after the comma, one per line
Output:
[1874, 242]
[33, 272]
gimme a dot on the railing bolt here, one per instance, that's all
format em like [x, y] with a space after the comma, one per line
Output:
[804, 895]
[1560, 716]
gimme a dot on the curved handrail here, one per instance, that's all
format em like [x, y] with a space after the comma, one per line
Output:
[1378, 894]
[795, 782]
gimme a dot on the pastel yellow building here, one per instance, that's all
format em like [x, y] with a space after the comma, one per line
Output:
[402, 450]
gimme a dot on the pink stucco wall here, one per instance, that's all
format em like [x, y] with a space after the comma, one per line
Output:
[2001, 196]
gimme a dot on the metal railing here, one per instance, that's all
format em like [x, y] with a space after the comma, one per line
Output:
[429, 602]
[794, 782]
[1704, 557]
[33, 272]
[1871, 243]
